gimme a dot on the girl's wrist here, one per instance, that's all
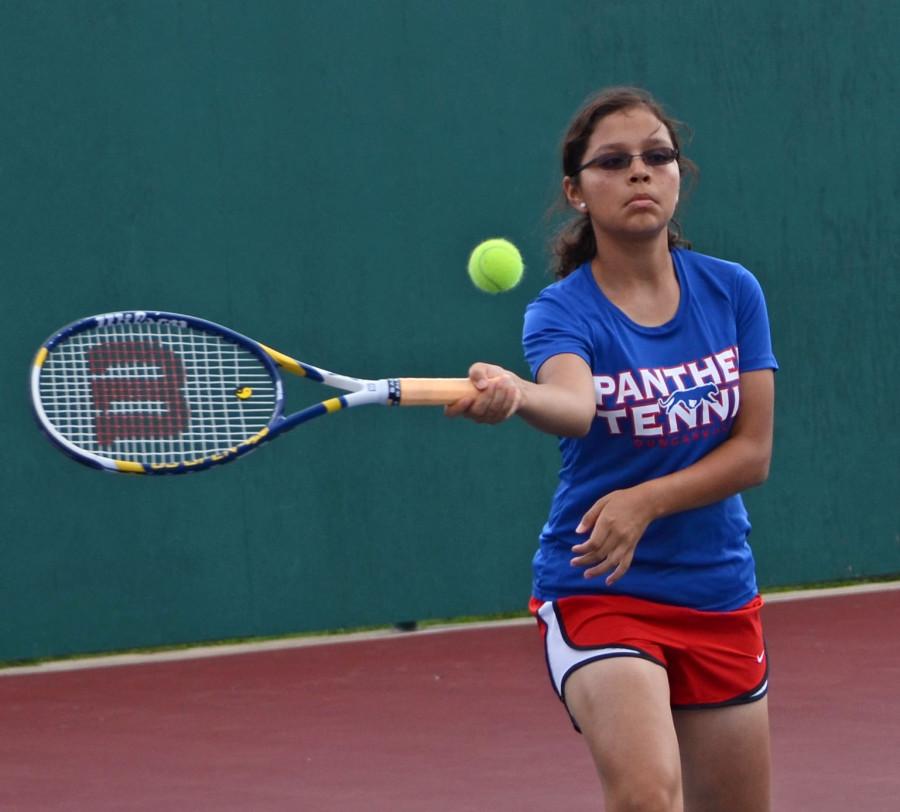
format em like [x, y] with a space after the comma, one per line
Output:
[652, 495]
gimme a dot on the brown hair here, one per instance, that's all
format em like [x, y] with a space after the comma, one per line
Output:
[574, 244]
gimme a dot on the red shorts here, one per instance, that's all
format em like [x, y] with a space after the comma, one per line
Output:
[713, 659]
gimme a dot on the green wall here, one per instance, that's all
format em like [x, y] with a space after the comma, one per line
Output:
[314, 174]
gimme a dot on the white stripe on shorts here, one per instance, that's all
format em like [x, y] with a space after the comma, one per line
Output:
[562, 659]
[759, 692]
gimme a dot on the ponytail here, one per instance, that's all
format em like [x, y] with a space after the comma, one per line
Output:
[573, 245]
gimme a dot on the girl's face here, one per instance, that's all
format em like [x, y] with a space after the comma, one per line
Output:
[632, 202]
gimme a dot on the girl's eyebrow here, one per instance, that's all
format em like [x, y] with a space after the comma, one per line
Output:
[650, 141]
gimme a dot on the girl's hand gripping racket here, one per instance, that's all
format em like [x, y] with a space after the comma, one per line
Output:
[148, 392]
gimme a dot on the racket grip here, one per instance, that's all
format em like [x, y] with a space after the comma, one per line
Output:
[434, 391]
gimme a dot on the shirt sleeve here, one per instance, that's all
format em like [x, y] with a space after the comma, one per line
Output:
[754, 336]
[552, 329]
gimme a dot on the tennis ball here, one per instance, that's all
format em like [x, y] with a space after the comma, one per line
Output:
[495, 266]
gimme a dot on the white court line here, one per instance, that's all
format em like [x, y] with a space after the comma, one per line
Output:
[227, 649]
[282, 644]
[829, 592]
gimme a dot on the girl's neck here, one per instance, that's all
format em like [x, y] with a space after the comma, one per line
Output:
[639, 279]
[635, 264]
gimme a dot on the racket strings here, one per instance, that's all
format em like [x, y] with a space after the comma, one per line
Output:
[155, 393]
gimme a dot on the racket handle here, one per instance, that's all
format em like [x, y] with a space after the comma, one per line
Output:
[434, 391]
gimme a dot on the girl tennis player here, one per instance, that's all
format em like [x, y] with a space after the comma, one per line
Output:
[654, 365]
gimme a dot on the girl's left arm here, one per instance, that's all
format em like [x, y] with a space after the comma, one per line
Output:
[617, 520]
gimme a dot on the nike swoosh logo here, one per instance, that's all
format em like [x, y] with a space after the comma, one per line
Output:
[761, 656]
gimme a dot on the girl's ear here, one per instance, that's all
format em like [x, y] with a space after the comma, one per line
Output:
[570, 190]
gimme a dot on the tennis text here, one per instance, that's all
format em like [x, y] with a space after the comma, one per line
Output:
[683, 402]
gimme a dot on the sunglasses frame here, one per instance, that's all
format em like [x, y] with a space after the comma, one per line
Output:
[597, 162]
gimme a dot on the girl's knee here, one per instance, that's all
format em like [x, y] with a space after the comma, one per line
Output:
[658, 796]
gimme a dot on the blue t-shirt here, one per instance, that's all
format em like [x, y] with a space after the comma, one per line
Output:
[666, 396]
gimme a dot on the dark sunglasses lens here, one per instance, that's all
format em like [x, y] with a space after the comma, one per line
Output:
[659, 157]
[614, 161]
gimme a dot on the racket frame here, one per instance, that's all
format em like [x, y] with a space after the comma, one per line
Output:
[359, 392]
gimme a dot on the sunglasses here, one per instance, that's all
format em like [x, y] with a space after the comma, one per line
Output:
[616, 161]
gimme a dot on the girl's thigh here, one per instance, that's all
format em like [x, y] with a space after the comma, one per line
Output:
[725, 757]
[621, 706]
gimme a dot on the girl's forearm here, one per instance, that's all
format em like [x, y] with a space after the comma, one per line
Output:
[741, 462]
[556, 409]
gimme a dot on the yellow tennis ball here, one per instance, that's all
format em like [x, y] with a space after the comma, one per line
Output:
[495, 266]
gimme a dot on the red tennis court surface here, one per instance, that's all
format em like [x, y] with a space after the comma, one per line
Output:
[455, 720]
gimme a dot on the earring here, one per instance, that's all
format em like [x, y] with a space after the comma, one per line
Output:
[583, 205]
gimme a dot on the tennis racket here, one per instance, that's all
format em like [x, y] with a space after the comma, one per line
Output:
[149, 392]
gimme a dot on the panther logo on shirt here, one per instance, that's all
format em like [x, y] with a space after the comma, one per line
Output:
[692, 398]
